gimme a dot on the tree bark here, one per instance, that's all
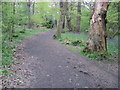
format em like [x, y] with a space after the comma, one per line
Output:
[78, 18]
[29, 14]
[13, 23]
[64, 22]
[61, 20]
[97, 35]
[33, 8]
[68, 17]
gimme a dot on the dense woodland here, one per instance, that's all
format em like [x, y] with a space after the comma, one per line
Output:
[91, 26]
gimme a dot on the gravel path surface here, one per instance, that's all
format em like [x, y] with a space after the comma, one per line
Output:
[52, 65]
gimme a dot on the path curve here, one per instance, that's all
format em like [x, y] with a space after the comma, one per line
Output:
[57, 67]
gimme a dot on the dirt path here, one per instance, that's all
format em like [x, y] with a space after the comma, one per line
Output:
[52, 65]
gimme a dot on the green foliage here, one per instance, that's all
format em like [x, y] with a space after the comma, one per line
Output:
[6, 54]
[113, 45]
[46, 14]
[85, 20]
[57, 37]
[76, 43]
[85, 17]
[73, 39]
[5, 72]
[13, 15]
[112, 19]
[68, 39]
[93, 55]
[73, 36]
[73, 49]
[18, 82]
[22, 31]
[66, 29]
[9, 47]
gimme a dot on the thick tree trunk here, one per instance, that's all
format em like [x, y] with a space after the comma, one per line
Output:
[61, 20]
[78, 17]
[97, 34]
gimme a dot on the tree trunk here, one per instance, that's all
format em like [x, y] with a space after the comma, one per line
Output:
[29, 14]
[68, 17]
[78, 17]
[33, 8]
[64, 22]
[61, 20]
[97, 35]
[63, 15]
[13, 23]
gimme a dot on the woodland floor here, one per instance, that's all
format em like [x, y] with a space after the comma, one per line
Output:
[45, 63]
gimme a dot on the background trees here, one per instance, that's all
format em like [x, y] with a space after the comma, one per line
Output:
[78, 17]
[13, 17]
[76, 12]
[47, 14]
[112, 19]
[70, 18]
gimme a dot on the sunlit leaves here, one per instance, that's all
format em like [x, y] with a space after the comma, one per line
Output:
[45, 11]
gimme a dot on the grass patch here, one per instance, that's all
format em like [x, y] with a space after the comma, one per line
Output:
[73, 48]
[75, 36]
[68, 39]
[4, 72]
[113, 45]
[27, 33]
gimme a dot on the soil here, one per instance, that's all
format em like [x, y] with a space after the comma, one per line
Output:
[42, 62]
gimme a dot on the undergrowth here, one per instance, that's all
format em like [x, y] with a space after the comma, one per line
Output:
[69, 38]
[8, 47]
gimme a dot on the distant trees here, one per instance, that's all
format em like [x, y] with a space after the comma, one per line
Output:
[77, 29]
[31, 11]
[21, 13]
[46, 14]
[8, 19]
[13, 14]
[112, 19]
[97, 35]
[67, 16]
[65, 12]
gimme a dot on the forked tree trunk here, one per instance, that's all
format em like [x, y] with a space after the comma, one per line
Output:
[77, 29]
[97, 35]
